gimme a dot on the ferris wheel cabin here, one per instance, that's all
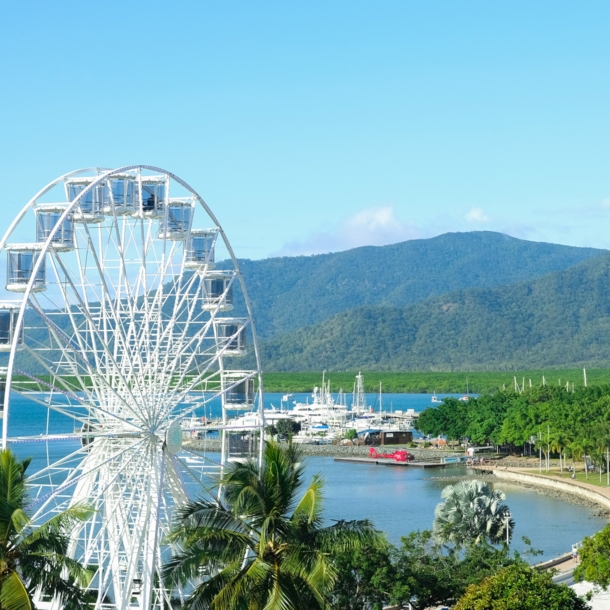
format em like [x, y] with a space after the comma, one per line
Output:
[123, 193]
[9, 312]
[21, 260]
[231, 336]
[238, 392]
[91, 203]
[218, 291]
[200, 249]
[47, 217]
[153, 191]
[176, 221]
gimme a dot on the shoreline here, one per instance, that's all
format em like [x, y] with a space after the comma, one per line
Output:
[562, 495]
[575, 492]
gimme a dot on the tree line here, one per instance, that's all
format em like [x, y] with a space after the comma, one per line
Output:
[569, 424]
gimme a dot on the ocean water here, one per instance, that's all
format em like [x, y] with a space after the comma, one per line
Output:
[397, 500]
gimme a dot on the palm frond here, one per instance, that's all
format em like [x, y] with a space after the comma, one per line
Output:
[58, 527]
[311, 503]
[13, 593]
[211, 550]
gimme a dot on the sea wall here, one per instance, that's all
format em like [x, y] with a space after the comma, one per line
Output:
[546, 482]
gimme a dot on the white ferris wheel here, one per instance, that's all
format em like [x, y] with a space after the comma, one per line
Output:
[118, 343]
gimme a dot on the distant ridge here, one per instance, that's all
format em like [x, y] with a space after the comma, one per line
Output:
[288, 293]
[434, 304]
[559, 320]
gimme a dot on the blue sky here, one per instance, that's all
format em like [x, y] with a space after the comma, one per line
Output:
[319, 126]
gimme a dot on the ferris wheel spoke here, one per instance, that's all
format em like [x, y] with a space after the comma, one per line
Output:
[197, 339]
[194, 344]
[212, 380]
[223, 388]
[197, 477]
[185, 339]
[94, 331]
[90, 406]
[108, 353]
[82, 387]
[75, 474]
[154, 305]
[57, 408]
[64, 343]
[112, 297]
[178, 390]
[96, 488]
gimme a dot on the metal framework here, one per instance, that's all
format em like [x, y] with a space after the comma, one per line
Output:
[121, 329]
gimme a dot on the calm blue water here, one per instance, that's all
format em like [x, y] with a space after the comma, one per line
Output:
[390, 402]
[397, 500]
[402, 500]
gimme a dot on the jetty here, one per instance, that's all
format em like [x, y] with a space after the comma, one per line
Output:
[387, 462]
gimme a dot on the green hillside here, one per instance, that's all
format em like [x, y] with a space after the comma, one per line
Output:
[559, 320]
[291, 292]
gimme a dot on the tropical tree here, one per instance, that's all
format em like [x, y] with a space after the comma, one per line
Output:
[35, 558]
[287, 427]
[518, 587]
[420, 573]
[594, 556]
[262, 546]
[581, 447]
[472, 513]
[559, 440]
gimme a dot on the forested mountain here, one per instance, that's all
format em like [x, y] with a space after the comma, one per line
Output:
[291, 292]
[557, 320]
[379, 307]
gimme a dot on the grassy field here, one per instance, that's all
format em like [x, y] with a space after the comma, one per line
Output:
[429, 382]
[592, 479]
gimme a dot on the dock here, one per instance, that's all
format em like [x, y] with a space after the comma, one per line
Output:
[386, 462]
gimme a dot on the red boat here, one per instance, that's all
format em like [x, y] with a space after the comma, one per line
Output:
[399, 455]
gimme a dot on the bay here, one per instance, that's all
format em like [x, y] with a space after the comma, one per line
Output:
[397, 500]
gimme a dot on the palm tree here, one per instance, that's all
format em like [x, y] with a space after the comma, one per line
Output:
[559, 440]
[472, 514]
[581, 447]
[262, 547]
[35, 558]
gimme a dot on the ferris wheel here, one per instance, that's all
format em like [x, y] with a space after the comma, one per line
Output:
[121, 340]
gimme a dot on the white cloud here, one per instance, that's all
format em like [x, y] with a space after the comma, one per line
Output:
[370, 227]
[477, 215]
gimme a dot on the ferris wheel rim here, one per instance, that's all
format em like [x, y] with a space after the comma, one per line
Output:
[169, 467]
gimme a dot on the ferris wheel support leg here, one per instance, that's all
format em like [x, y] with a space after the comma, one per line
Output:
[149, 567]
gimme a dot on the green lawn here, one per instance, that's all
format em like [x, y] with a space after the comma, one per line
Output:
[477, 382]
[580, 476]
